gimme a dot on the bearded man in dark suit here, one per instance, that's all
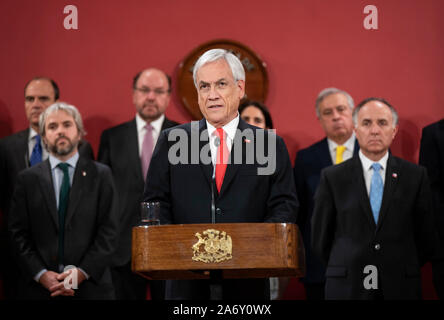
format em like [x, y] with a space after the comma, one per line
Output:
[63, 220]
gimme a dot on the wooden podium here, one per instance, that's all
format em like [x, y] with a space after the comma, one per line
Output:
[233, 250]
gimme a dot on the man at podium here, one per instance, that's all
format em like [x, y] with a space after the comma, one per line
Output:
[220, 170]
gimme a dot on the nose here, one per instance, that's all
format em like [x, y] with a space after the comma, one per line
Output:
[374, 129]
[213, 94]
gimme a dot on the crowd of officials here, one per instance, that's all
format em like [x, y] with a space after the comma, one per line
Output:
[357, 205]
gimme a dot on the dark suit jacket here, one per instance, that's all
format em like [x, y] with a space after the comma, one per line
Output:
[91, 227]
[184, 190]
[307, 173]
[431, 156]
[119, 150]
[14, 157]
[346, 238]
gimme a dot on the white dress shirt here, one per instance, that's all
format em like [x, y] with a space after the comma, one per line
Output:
[349, 148]
[230, 129]
[141, 130]
[368, 171]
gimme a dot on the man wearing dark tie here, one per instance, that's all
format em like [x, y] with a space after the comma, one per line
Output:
[431, 156]
[64, 215]
[334, 110]
[372, 223]
[210, 180]
[20, 151]
[127, 150]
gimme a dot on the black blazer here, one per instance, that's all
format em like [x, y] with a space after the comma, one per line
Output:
[184, 190]
[346, 238]
[431, 156]
[14, 157]
[307, 174]
[91, 227]
[119, 150]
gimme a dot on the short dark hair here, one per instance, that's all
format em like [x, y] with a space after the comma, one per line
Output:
[261, 107]
[137, 76]
[53, 83]
[382, 100]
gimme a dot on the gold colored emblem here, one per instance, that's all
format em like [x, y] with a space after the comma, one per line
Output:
[213, 246]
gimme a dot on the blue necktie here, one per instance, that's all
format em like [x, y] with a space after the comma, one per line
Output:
[36, 155]
[376, 190]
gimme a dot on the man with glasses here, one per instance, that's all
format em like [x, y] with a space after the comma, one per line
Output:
[127, 150]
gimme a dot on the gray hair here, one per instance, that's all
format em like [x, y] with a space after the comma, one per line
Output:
[329, 91]
[69, 109]
[237, 69]
[382, 100]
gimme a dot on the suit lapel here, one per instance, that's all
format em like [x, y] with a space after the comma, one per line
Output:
[391, 179]
[324, 154]
[232, 168]
[207, 169]
[83, 174]
[47, 188]
[361, 189]
[132, 142]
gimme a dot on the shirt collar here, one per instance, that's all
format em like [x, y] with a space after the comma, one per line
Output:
[349, 144]
[229, 128]
[53, 161]
[367, 163]
[156, 124]
[32, 133]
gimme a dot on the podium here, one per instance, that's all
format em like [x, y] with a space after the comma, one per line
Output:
[230, 250]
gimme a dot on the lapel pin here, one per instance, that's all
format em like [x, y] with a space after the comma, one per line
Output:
[395, 175]
[247, 140]
[84, 173]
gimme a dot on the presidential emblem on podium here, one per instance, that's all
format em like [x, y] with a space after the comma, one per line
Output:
[212, 246]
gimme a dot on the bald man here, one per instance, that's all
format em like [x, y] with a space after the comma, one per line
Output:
[127, 150]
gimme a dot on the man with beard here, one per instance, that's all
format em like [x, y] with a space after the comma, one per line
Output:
[64, 216]
[127, 150]
[20, 151]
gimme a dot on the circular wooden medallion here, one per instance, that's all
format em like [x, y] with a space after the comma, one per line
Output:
[256, 78]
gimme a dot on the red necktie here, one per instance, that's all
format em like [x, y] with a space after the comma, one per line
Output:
[222, 158]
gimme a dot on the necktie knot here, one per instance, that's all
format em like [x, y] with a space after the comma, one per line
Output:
[36, 154]
[339, 152]
[376, 167]
[63, 166]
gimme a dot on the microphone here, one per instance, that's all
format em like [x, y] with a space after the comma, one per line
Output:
[213, 204]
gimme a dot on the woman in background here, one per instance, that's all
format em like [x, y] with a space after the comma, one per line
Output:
[256, 114]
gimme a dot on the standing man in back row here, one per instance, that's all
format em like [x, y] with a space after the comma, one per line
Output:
[127, 150]
[334, 110]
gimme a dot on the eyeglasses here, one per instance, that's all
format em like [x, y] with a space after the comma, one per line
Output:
[146, 90]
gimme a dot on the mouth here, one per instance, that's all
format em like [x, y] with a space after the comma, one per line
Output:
[215, 106]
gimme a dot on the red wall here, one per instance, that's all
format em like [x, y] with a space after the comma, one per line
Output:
[307, 45]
